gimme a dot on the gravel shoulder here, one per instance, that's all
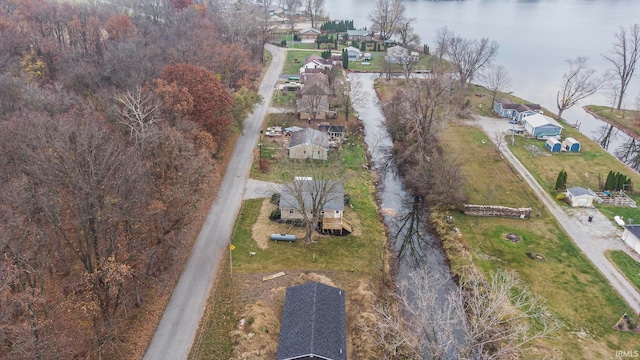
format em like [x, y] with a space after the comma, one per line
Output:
[593, 238]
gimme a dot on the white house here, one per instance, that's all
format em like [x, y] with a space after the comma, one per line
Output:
[353, 53]
[580, 197]
[541, 126]
[631, 237]
[397, 55]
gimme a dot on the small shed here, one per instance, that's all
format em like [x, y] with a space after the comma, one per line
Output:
[570, 144]
[631, 237]
[580, 197]
[553, 145]
[314, 323]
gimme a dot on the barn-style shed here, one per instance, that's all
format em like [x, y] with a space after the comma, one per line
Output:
[553, 145]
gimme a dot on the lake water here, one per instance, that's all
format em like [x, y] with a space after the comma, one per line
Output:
[536, 38]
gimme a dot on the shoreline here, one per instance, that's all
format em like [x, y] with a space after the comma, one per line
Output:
[624, 129]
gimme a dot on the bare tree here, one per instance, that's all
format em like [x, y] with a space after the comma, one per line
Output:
[421, 109]
[578, 83]
[311, 188]
[407, 35]
[443, 35]
[623, 57]
[469, 56]
[138, 112]
[496, 79]
[290, 7]
[386, 16]
[481, 319]
[314, 10]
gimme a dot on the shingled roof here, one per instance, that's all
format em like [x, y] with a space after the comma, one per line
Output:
[309, 136]
[314, 323]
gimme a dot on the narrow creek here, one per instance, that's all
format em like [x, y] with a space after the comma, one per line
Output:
[418, 249]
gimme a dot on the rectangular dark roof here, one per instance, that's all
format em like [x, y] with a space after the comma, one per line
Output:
[331, 128]
[314, 323]
[634, 229]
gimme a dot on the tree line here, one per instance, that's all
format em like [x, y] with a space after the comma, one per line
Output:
[114, 119]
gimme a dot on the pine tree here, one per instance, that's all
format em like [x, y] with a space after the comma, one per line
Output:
[345, 59]
[608, 184]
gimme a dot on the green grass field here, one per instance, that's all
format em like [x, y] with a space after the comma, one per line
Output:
[575, 291]
[627, 265]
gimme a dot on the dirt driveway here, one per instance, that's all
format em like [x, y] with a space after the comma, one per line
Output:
[593, 238]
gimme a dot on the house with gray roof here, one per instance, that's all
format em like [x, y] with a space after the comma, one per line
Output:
[295, 196]
[358, 35]
[314, 323]
[308, 143]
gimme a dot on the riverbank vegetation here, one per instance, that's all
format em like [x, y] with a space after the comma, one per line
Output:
[115, 133]
[546, 260]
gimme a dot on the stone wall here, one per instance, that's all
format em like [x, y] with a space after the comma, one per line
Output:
[491, 210]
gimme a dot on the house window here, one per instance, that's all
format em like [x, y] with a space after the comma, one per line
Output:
[304, 152]
[290, 211]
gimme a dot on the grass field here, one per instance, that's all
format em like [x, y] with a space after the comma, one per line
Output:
[629, 120]
[575, 291]
[627, 265]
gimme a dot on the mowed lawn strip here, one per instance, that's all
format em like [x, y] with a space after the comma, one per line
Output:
[575, 291]
[627, 265]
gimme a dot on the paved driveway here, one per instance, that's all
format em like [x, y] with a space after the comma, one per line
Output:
[177, 328]
[593, 238]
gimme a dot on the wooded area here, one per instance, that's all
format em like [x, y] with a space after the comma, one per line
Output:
[114, 118]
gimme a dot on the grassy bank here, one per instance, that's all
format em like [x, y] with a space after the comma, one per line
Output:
[626, 265]
[627, 120]
[575, 291]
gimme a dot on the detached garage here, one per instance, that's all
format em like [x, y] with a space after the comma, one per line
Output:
[580, 197]
[631, 237]
[541, 126]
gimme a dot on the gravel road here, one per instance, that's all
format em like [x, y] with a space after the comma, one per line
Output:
[593, 238]
[177, 328]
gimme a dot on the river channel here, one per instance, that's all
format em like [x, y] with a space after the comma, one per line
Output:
[421, 249]
[536, 37]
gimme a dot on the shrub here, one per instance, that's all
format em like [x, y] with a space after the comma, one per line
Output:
[275, 215]
[275, 198]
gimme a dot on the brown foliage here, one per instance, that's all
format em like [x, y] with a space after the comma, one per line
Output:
[120, 28]
[211, 101]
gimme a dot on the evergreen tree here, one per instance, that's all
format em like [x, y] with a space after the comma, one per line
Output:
[608, 184]
[561, 180]
[363, 46]
[345, 59]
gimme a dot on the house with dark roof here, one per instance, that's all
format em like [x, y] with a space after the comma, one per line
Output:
[508, 109]
[631, 237]
[580, 197]
[314, 323]
[308, 143]
[335, 132]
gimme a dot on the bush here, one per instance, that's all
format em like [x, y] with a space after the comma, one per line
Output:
[275, 215]
[347, 199]
[561, 197]
[275, 199]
